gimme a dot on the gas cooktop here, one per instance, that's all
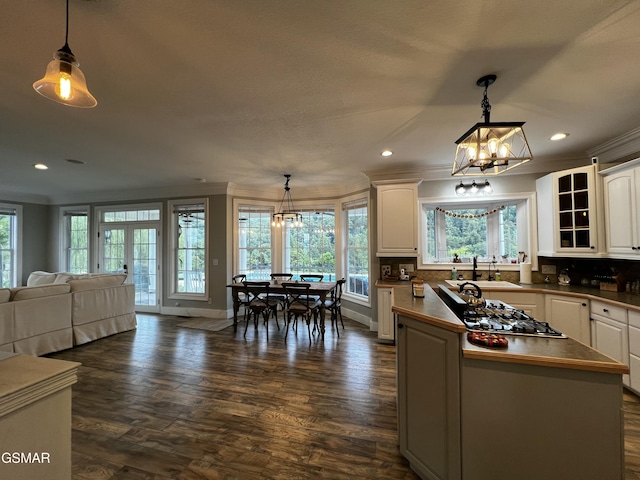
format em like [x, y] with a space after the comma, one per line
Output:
[496, 317]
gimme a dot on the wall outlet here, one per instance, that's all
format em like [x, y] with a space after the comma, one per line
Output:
[549, 269]
[408, 267]
[385, 269]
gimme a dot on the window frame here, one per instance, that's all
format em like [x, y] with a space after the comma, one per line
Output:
[16, 263]
[172, 228]
[65, 235]
[526, 213]
[361, 201]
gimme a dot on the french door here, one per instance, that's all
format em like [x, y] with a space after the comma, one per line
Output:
[133, 248]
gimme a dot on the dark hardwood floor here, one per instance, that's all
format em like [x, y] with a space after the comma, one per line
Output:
[166, 402]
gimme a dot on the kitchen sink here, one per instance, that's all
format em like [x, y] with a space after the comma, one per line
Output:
[485, 283]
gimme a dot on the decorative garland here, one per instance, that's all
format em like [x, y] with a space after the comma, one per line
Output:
[477, 215]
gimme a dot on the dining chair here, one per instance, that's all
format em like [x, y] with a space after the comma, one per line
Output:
[311, 277]
[259, 304]
[281, 299]
[300, 305]
[334, 304]
[242, 294]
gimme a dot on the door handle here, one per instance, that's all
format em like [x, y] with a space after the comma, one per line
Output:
[125, 269]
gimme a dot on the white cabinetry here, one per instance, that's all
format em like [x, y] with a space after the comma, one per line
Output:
[386, 328]
[634, 351]
[610, 332]
[622, 213]
[570, 316]
[567, 213]
[397, 219]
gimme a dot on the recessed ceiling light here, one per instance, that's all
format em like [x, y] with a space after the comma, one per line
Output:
[40, 166]
[559, 136]
[387, 153]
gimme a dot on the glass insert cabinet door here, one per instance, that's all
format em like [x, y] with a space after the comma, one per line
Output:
[133, 249]
[573, 211]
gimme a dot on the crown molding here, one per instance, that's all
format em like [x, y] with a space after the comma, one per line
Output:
[174, 191]
[622, 147]
[322, 192]
[9, 196]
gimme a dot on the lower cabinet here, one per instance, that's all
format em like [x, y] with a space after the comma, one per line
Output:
[569, 315]
[386, 327]
[610, 332]
[428, 362]
[634, 351]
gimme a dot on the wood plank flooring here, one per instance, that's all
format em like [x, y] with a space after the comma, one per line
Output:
[165, 402]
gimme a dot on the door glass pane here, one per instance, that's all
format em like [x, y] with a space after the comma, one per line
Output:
[566, 220]
[114, 250]
[564, 183]
[581, 200]
[565, 202]
[145, 265]
[582, 219]
[582, 238]
[580, 181]
[566, 239]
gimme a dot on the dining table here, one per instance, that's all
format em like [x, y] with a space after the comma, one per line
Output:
[320, 289]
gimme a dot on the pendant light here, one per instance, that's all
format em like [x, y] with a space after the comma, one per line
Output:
[63, 81]
[287, 210]
[490, 148]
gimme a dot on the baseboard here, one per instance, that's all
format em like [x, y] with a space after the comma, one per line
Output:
[196, 312]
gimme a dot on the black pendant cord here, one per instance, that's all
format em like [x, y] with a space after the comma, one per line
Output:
[66, 33]
[486, 106]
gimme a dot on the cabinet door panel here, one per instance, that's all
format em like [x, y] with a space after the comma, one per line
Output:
[570, 316]
[619, 195]
[385, 315]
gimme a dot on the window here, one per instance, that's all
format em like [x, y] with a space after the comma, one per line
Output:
[254, 242]
[189, 221]
[356, 247]
[9, 215]
[486, 229]
[75, 240]
[311, 247]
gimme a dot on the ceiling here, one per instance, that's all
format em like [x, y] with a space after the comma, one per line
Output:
[242, 91]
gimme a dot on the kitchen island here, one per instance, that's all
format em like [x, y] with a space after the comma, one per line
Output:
[543, 408]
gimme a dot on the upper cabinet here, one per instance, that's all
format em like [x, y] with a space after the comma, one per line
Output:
[621, 188]
[397, 219]
[568, 213]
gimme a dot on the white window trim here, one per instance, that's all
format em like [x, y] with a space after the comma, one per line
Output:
[531, 212]
[173, 245]
[17, 277]
[357, 299]
[64, 237]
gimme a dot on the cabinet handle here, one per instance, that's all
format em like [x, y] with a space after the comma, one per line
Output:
[400, 325]
[605, 310]
[584, 304]
[592, 247]
[634, 248]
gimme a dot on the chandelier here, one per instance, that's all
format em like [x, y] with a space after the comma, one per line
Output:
[63, 81]
[287, 210]
[490, 148]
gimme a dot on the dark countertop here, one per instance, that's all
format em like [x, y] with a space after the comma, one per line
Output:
[549, 352]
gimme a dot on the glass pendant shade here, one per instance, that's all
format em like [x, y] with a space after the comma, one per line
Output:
[64, 82]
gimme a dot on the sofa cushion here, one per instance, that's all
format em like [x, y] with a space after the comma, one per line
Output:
[40, 278]
[26, 293]
[64, 277]
[98, 281]
[5, 295]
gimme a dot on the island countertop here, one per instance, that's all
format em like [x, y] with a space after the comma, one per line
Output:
[548, 352]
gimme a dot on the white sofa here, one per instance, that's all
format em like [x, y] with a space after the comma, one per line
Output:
[56, 311]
